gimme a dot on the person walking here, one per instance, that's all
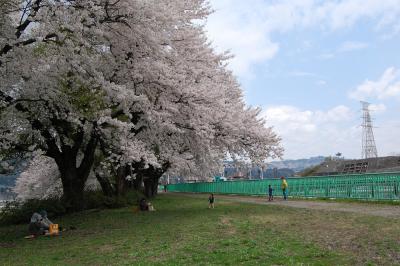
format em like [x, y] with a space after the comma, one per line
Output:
[284, 186]
[211, 201]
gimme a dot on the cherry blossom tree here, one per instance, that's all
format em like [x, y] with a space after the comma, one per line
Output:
[71, 80]
[134, 80]
[41, 180]
[206, 118]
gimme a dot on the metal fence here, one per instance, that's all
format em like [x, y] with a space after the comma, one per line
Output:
[374, 186]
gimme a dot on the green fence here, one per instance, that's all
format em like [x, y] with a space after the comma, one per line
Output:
[374, 186]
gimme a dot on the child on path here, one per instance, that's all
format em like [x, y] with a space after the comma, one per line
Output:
[270, 193]
[211, 201]
[284, 186]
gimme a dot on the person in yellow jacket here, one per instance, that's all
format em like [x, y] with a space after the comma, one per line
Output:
[284, 186]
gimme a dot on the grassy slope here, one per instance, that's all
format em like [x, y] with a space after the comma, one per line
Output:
[183, 231]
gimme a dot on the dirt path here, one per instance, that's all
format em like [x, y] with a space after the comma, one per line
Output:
[361, 208]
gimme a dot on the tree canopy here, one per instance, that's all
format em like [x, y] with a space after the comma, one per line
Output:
[123, 89]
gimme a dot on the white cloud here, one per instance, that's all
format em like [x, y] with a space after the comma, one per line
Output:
[388, 86]
[378, 108]
[308, 133]
[387, 138]
[299, 121]
[233, 28]
[327, 56]
[336, 114]
[321, 82]
[352, 46]
[348, 46]
[247, 27]
[346, 13]
[302, 74]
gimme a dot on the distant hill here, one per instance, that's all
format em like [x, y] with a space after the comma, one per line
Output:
[274, 169]
[296, 165]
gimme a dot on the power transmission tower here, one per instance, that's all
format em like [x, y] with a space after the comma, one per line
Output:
[368, 141]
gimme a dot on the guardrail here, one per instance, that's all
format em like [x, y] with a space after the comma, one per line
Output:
[372, 186]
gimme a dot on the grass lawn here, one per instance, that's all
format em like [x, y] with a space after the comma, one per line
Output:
[183, 231]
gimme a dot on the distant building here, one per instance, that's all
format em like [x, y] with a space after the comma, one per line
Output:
[369, 165]
[233, 172]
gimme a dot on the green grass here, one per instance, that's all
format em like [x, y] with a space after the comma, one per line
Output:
[393, 202]
[369, 201]
[184, 232]
[340, 200]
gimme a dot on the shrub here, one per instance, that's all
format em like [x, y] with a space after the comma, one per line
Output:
[16, 212]
[96, 199]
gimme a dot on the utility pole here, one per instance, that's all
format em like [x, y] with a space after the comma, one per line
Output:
[368, 149]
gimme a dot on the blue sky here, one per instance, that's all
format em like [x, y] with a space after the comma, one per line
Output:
[308, 63]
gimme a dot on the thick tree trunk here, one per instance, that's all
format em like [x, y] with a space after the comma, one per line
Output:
[73, 178]
[155, 185]
[73, 188]
[137, 182]
[151, 185]
[148, 187]
[106, 186]
[73, 185]
[149, 176]
[122, 183]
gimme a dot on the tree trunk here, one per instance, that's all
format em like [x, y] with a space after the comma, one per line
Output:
[149, 176]
[73, 178]
[73, 187]
[151, 186]
[105, 184]
[137, 183]
[148, 187]
[122, 183]
[155, 186]
[73, 197]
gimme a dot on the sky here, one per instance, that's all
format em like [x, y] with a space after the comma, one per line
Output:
[309, 63]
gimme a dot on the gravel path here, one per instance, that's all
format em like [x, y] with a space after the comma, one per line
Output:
[383, 210]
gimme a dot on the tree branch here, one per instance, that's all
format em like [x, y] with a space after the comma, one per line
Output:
[88, 155]
[8, 47]
[22, 27]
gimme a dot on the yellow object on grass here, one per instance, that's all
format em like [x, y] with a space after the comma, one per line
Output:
[53, 229]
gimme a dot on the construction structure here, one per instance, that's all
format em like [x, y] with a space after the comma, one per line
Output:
[368, 149]
[369, 162]
[359, 166]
